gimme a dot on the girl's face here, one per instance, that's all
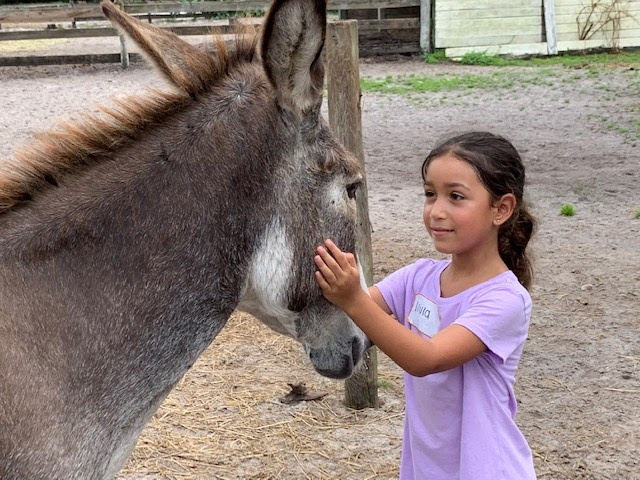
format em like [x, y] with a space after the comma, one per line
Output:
[458, 211]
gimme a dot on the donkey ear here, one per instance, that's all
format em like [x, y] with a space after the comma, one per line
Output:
[292, 41]
[180, 62]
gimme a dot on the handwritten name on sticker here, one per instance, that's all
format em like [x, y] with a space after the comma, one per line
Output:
[424, 316]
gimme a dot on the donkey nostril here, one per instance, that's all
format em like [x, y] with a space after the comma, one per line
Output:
[356, 350]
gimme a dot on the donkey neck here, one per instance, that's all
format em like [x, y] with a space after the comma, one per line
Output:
[131, 268]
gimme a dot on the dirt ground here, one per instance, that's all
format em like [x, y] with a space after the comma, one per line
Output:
[579, 380]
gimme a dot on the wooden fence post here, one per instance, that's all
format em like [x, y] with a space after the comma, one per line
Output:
[549, 7]
[124, 52]
[426, 27]
[345, 119]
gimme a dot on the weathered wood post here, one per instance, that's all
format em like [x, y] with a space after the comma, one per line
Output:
[426, 26]
[124, 53]
[549, 7]
[345, 118]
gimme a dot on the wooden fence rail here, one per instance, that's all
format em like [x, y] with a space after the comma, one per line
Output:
[379, 32]
[366, 25]
[71, 12]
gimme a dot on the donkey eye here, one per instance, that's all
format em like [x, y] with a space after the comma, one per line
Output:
[352, 188]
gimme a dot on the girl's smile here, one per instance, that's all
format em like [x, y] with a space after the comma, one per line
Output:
[439, 231]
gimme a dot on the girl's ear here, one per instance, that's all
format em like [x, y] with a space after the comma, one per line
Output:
[503, 208]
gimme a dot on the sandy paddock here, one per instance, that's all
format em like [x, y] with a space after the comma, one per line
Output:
[579, 382]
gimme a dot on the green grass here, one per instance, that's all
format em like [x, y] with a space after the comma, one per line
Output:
[591, 61]
[404, 84]
[567, 210]
[435, 57]
[481, 58]
[636, 215]
[545, 73]
[415, 84]
[384, 384]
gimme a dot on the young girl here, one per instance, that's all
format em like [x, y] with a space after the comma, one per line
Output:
[461, 323]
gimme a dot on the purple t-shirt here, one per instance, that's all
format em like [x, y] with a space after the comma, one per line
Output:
[459, 424]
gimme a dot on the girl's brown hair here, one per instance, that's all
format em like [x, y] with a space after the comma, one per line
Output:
[500, 169]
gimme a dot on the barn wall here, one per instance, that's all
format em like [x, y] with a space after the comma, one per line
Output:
[488, 25]
[518, 27]
[570, 14]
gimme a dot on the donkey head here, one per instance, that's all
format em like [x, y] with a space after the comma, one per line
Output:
[317, 184]
[292, 183]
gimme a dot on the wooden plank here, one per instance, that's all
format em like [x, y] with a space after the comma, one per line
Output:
[574, 10]
[599, 36]
[110, 32]
[69, 12]
[356, 4]
[347, 5]
[498, 25]
[582, 3]
[48, 14]
[470, 41]
[388, 24]
[625, 29]
[480, 30]
[571, 19]
[32, 60]
[479, 14]
[446, 5]
[186, 30]
[367, 50]
[568, 16]
[65, 59]
[245, 5]
[58, 33]
[197, 7]
[579, 45]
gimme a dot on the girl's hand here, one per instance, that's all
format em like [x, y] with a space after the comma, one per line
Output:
[337, 275]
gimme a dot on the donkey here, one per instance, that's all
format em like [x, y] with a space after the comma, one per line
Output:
[128, 238]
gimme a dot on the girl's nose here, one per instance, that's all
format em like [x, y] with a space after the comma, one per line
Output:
[437, 210]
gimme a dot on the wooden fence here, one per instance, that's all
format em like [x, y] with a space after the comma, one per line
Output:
[517, 27]
[385, 27]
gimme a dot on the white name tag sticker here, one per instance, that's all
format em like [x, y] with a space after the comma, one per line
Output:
[424, 316]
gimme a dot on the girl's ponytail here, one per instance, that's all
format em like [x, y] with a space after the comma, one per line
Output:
[513, 238]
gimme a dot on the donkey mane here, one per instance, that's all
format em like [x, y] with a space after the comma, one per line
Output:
[84, 141]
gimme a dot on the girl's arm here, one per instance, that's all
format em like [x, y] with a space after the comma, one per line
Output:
[338, 278]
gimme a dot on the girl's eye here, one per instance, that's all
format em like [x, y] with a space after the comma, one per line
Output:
[429, 194]
[456, 196]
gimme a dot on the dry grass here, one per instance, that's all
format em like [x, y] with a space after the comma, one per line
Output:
[225, 419]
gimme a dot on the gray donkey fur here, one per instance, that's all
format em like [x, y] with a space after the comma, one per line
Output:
[128, 238]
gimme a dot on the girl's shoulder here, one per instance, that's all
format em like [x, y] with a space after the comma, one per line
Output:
[504, 290]
[506, 282]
